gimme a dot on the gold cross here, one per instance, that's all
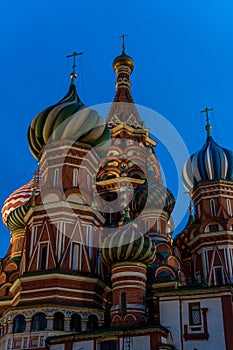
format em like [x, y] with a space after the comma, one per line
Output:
[123, 41]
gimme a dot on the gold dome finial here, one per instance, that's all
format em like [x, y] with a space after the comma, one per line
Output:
[208, 127]
[73, 74]
[123, 59]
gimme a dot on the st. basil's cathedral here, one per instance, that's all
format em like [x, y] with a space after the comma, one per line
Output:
[92, 264]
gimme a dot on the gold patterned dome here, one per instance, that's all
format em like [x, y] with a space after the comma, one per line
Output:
[123, 60]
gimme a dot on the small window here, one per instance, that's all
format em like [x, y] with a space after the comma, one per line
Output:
[229, 210]
[199, 211]
[19, 324]
[194, 314]
[43, 257]
[76, 257]
[39, 322]
[212, 208]
[92, 323]
[213, 228]
[218, 276]
[109, 345]
[75, 323]
[75, 178]
[123, 303]
[56, 177]
[58, 321]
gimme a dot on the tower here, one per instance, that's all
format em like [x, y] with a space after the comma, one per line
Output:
[56, 281]
[208, 175]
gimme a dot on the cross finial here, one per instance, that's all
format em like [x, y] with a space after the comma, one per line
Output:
[208, 127]
[123, 41]
[73, 74]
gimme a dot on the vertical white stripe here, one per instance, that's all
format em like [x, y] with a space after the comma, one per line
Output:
[204, 264]
[208, 164]
[224, 165]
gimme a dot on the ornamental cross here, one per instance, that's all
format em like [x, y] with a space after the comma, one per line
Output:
[74, 55]
[123, 40]
[207, 110]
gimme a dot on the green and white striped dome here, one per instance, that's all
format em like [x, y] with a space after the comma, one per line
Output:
[128, 244]
[68, 119]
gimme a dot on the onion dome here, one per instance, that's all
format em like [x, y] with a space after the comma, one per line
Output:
[128, 244]
[123, 60]
[68, 119]
[211, 162]
[16, 205]
[157, 196]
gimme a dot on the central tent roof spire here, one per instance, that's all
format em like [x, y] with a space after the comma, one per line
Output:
[123, 108]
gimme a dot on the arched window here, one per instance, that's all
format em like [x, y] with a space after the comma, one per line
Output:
[19, 324]
[75, 323]
[212, 208]
[39, 322]
[76, 257]
[43, 257]
[56, 177]
[229, 210]
[92, 323]
[123, 303]
[75, 178]
[58, 321]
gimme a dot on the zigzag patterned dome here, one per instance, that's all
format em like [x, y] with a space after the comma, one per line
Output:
[68, 119]
[128, 244]
[157, 197]
[211, 162]
[16, 205]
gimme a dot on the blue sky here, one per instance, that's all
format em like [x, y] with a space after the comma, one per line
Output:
[183, 52]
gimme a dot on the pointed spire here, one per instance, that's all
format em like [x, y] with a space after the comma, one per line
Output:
[123, 109]
[73, 74]
[208, 127]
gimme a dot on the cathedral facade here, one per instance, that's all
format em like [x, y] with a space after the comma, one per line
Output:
[92, 264]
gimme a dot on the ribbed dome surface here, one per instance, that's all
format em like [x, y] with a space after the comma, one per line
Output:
[211, 162]
[128, 244]
[157, 197]
[15, 206]
[68, 119]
